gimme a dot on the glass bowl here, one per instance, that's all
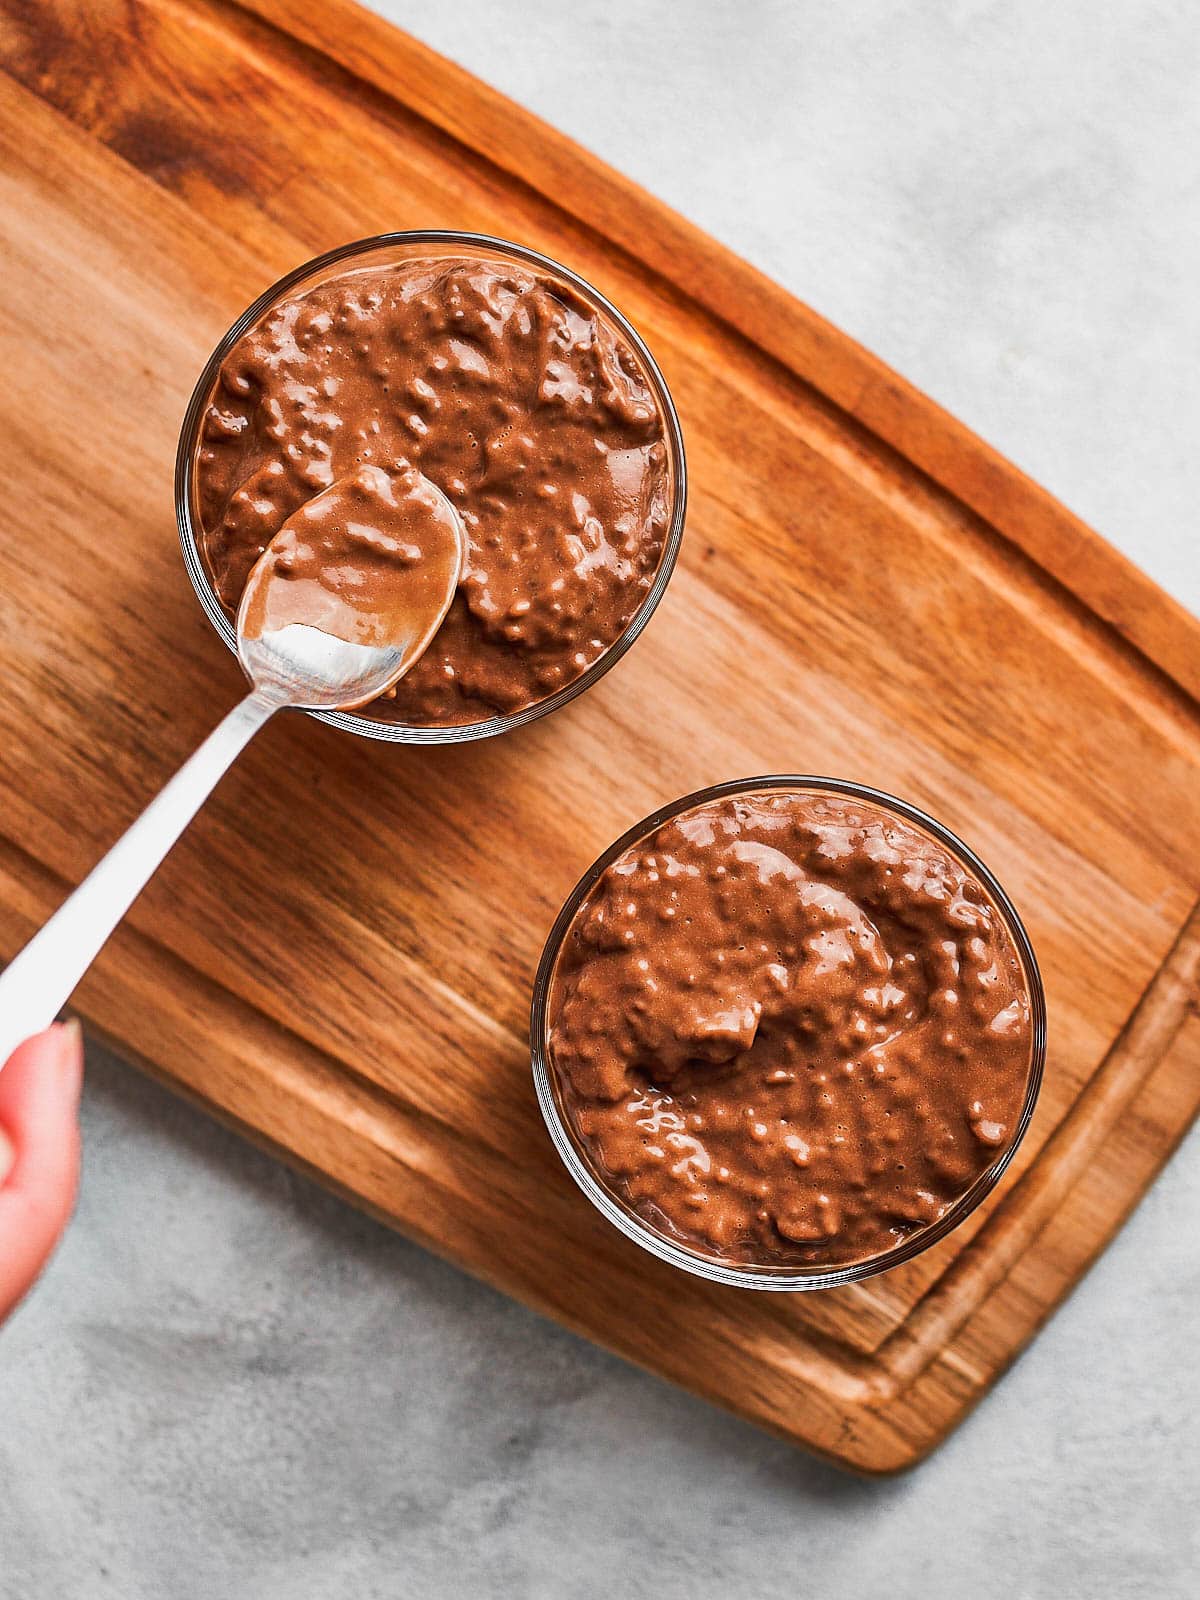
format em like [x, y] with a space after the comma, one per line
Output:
[381, 250]
[619, 1212]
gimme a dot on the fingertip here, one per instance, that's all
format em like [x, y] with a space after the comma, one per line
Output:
[39, 1108]
[39, 1154]
[45, 1071]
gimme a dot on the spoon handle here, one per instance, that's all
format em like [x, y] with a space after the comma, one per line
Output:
[39, 981]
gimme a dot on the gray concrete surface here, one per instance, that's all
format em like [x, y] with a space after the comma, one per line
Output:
[229, 1384]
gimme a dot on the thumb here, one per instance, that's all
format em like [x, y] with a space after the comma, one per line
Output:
[39, 1153]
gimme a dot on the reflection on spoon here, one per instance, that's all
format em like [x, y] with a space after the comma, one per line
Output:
[339, 606]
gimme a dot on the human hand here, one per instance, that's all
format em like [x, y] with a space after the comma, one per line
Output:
[39, 1153]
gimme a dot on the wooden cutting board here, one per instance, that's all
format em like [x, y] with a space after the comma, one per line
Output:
[338, 957]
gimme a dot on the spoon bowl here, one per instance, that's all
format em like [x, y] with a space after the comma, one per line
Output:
[351, 589]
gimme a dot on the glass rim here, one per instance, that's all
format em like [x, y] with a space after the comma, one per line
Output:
[438, 238]
[693, 1260]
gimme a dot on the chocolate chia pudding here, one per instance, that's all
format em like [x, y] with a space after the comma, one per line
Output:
[534, 410]
[792, 1028]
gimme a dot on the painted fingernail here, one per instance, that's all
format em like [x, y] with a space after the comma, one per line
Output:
[69, 1039]
[7, 1156]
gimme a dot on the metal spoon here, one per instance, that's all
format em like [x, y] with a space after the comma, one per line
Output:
[340, 605]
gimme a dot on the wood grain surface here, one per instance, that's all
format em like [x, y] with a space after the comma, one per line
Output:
[338, 956]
